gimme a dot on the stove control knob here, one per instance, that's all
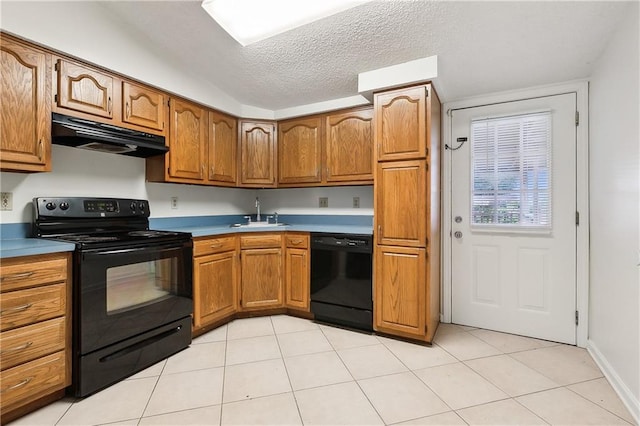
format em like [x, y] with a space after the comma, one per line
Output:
[50, 206]
[141, 207]
[64, 206]
[133, 207]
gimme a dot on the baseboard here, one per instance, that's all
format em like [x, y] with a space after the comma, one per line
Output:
[625, 394]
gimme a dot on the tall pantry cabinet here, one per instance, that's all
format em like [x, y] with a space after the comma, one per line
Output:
[407, 212]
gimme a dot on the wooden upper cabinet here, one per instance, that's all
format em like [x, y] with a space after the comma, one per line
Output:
[257, 154]
[300, 150]
[84, 89]
[187, 141]
[223, 146]
[25, 107]
[143, 106]
[401, 203]
[401, 123]
[349, 146]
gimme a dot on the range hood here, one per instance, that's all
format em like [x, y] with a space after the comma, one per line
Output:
[80, 133]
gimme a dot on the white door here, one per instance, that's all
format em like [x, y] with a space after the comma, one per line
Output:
[513, 217]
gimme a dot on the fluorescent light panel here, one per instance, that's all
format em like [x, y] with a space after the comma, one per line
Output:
[249, 21]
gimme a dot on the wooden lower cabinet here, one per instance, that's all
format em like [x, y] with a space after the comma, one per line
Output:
[35, 332]
[400, 292]
[261, 282]
[297, 271]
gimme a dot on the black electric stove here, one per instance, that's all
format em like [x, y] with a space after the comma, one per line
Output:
[132, 286]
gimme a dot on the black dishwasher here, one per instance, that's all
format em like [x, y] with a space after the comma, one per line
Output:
[341, 279]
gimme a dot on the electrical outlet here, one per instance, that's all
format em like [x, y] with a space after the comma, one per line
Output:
[174, 202]
[356, 202]
[6, 200]
[323, 202]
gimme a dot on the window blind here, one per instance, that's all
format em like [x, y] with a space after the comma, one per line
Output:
[511, 171]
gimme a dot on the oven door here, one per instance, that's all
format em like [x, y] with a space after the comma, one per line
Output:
[123, 292]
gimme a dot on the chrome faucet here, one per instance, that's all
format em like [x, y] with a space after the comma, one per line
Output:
[257, 209]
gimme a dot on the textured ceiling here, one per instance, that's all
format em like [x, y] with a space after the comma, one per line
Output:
[482, 47]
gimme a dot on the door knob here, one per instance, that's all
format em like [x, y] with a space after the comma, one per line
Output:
[458, 219]
[457, 234]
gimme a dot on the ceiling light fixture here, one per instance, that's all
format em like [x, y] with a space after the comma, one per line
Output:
[249, 21]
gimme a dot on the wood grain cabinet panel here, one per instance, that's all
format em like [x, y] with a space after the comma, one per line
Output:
[401, 203]
[261, 278]
[401, 124]
[297, 271]
[143, 106]
[187, 141]
[257, 154]
[400, 297]
[215, 287]
[349, 146]
[223, 147]
[84, 89]
[300, 151]
[25, 107]
[35, 332]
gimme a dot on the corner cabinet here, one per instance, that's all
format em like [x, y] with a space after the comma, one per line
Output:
[407, 212]
[258, 154]
[35, 332]
[261, 271]
[215, 279]
[25, 107]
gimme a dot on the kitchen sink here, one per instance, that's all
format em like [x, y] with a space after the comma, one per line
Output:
[255, 225]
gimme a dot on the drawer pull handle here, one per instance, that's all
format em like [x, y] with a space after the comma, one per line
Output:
[295, 242]
[16, 276]
[217, 245]
[17, 385]
[17, 348]
[16, 309]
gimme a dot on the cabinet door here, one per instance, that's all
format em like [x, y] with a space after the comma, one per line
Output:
[223, 145]
[84, 89]
[401, 117]
[297, 271]
[25, 108]
[187, 141]
[401, 203]
[349, 146]
[299, 151]
[215, 287]
[399, 291]
[258, 154]
[143, 106]
[261, 278]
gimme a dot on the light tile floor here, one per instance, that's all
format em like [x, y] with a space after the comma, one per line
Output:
[283, 370]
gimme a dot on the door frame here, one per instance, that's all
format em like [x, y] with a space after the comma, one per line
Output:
[581, 89]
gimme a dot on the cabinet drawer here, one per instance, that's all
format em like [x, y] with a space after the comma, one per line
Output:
[17, 274]
[214, 245]
[18, 308]
[260, 241]
[30, 342]
[30, 381]
[297, 240]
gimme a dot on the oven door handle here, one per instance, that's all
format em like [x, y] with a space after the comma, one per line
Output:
[152, 248]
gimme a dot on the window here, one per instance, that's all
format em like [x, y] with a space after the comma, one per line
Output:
[511, 171]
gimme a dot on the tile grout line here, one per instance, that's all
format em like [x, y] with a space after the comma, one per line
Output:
[593, 402]
[224, 371]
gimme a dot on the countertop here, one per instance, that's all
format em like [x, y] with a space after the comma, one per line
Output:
[16, 247]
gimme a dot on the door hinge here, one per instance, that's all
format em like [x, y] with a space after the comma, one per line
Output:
[577, 317]
[426, 91]
[577, 118]
[55, 98]
[577, 218]
[57, 66]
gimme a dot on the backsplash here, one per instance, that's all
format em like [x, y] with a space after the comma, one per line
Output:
[82, 173]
